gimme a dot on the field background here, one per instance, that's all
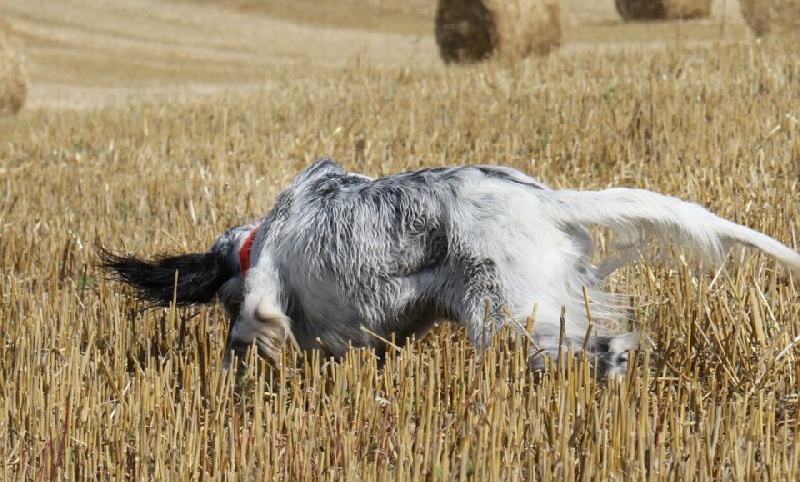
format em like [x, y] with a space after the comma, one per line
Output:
[152, 125]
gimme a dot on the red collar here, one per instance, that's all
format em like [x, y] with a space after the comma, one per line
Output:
[244, 251]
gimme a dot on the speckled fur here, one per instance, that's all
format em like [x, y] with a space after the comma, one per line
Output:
[342, 257]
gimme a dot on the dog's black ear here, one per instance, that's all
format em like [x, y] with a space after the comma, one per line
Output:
[199, 276]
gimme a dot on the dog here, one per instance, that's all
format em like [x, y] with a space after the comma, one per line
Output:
[347, 260]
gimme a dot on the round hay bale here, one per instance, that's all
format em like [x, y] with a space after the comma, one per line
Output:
[778, 17]
[475, 30]
[13, 81]
[639, 10]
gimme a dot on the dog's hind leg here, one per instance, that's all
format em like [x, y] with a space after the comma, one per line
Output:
[610, 353]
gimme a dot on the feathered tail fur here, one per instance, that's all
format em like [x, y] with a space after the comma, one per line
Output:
[632, 212]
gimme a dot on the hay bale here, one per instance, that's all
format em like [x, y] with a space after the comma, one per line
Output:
[638, 10]
[13, 78]
[475, 30]
[778, 17]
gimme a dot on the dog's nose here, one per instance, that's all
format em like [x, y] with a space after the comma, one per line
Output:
[238, 347]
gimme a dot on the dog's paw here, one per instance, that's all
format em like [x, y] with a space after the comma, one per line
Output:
[612, 352]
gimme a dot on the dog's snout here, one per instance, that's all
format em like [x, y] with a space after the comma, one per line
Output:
[238, 347]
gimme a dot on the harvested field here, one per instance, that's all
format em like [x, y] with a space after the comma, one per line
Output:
[779, 17]
[93, 387]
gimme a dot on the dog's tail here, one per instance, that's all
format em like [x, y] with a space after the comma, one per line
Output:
[186, 279]
[632, 212]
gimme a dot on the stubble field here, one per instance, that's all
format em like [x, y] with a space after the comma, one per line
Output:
[94, 387]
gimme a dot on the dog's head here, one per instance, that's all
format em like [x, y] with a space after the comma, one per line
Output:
[189, 279]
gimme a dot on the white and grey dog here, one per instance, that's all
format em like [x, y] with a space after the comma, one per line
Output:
[343, 257]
